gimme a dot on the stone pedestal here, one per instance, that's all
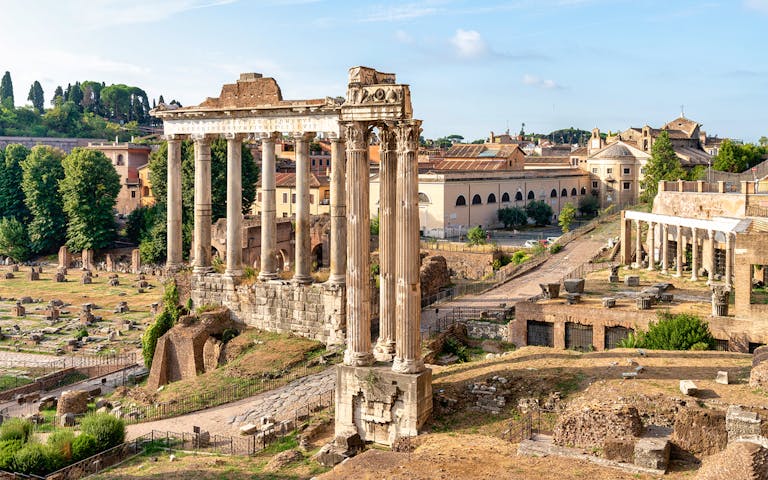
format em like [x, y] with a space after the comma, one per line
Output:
[381, 405]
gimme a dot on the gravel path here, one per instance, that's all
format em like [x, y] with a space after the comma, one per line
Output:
[227, 419]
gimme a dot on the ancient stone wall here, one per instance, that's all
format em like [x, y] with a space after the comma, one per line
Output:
[749, 250]
[315, 311]
[492, 331]
[700, 205]
[590, 426]
[758, 375]
[434, 275]
[472, 266]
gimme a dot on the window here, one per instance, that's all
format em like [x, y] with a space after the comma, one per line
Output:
[518, 196]
[594, 170]
[564, 193]
[594, 184]
[574, 192]
[584, 190]
[642, 170]
[476, 200]
[313, 162]
[491, 198]
[553, 193]
[609, 171]
[531, 195]
[293, 198]
[146, 192]
[423, 198]
[627, 171]
[461, 201]
[133, 193]
[627, 185]
[505, 197]
[259, 196]
[120, 159]
[285, 198]
[311, 199]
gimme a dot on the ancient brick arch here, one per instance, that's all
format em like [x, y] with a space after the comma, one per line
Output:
[252, 240]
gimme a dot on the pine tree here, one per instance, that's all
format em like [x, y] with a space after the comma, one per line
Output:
[6, 90]
[42, 171]
[161, 99]
[58, 96]
[11, 195]
[37, 98]
[663, 165]
[76, 96]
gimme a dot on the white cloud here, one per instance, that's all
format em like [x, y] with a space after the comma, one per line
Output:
[469, 44]
[759, 5]
[402, 36]
[534, 81]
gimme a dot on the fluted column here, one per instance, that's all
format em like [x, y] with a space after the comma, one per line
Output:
[173, 204]
[651, 246]
[728, 259]
[638, 244]
[338, 213]
[711, 264]
[358, 352]
[303, 265]
[408, 312]
[385, 345]
[268, 210]
[234, 205]
[679, 252]
[694, 254]
[202, 231]
[664, 248]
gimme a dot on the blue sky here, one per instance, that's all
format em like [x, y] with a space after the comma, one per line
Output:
[473, 66]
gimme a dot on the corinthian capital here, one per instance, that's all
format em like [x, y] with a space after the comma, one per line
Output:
[357, 135]
[202, 137]
[387, 137]
[407, 133]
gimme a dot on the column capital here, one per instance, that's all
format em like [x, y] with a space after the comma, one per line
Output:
[303, 136]
[407, 133]
[267, 136]
[388, 138]
[357, 134]
[175, 137]
[202, 137]
[235, 136]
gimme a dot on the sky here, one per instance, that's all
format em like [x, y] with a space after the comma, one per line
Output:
[474, 66]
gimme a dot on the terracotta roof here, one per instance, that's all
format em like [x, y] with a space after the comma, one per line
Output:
[547, 160]
[682, 124]
[618, 150]
[488, 150]
[579, 152]
[690, 156]
[289, 180]
[472, 165]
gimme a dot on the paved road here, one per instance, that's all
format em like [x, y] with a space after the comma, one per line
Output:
[227, 419]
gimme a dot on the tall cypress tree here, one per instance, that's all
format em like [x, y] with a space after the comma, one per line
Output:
[663, 165]
[58, 96]
[6, 90]
[36, 96]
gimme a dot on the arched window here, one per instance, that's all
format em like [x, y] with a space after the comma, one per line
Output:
[518, 196]
[120, 159]
[476, 200]
[504, 197]
[553, 193]
[564, 193]
[583, 191]
[423, 198]
[491, 198]
[531, 195]
[461, 201]
[573, 192]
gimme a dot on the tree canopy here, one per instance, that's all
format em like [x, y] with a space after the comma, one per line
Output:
[663, 165]
[736, 158]
[36, 96]
[6, 91]
[11, 196]
[512, 216]
[42, 172]
[539, 211]
[566, 217]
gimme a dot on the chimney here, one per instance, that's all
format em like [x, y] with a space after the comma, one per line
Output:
[493, 138]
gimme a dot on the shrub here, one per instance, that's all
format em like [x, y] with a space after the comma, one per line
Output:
[589, 205]
[16, 429]
[555, 247]
[539, 211]
[37, 459]
[476, 235]
[108, 430]
[84, 446]
[8, 449]
[678, 332]
[512, 216]
[164, 322]
[519, 257]
[61, 441]
[632, 340]
[81, 334]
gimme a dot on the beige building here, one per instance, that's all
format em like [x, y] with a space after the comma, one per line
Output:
[285, 190]
[127, 158]
[147, 195]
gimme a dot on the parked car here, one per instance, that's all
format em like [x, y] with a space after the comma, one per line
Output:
[534, 243]
[551, 240]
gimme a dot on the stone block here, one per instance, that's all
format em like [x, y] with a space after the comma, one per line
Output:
[644, 302]
[699, 431]
[33, 275]
[67, 420]
[574, 285]
[572, 298]
[741, 460]
[619, 449]
[72, 401]
[249, 429]
[687, 387]
[609, 302]
[722, 377]
[329, 456]
[588, 426]
[652, 453]
[632, 281]
[8, 275]
[740, 423]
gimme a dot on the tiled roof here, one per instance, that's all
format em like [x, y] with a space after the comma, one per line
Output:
[472, 165]
[289, 180]
[685, 125]
[579, 151]
[547, 160]
[492, 150]
[692, 156]
[618, 150]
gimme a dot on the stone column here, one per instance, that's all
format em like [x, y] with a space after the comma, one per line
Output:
[173, 203]
[388, 172]
[679, 252]
[408, 312]
[338, 213]
[728, 259]
[694, 254]
[664, 248]
[651, 246]
[268, 209]
[202, 233]
[358, 352]
[712, 263]
[234, 205]
[638, 244]
[303, 265]
[626, 240]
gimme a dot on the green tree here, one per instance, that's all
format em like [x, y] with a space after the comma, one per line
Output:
[677, 332]
[539, 211]
[41, 173]
[512, 216]
[763, 141]
[6, 90]
[76, 96]
[736, 158]
[58, 96]
[663, 165]
[11, 195]
[375, 225]
[566, 217]
[89, 190]
[36, 96]
[589, 205]
[65, 117]
[14, 241]
[476, 235]
[164, 322]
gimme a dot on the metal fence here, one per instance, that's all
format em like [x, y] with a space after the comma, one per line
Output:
[79, 361]
[450, 316]
[530, 423]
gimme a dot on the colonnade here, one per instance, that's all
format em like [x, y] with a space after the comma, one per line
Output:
[705, 240]
[201, 253]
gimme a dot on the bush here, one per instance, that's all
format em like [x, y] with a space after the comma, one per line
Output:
[539, 211]
[84, 446]
[61, 441]
[589, 205]
[164, 322]
[8, 449]
[678, 332]
[476, 235]
[108, 430]
[512, 216]
[519, 257]
[16, 429]
[555, 247]
[37, 459]
[631, 341]
[81, 334]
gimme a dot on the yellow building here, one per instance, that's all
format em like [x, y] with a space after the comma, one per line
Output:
[147, 197]
[285, 193]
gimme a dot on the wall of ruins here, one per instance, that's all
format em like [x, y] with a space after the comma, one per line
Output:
[700, 205]
[750, 250]
[492, 331]
[472, 266]
[316, 311]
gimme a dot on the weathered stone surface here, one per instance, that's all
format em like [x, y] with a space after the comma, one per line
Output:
[740, 461]
[249, 429]
[72, 401]
[758, 376]
[434, 275]
[619, 449]
[700, 432]
[687, 387]
[283, 459]
[574, 285]
[329, 456]
[741, 423]
[652, 453]
[632, 281]
[588, 426]
[722, 377]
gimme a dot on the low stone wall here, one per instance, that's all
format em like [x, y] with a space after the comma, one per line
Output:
[470, 266]
[589, 426]
[52, 380]
[488, 330]
[315, 311]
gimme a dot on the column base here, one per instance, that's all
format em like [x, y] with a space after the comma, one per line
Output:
[202, 270]
[173, 267]
[402, 365]
[381, 405]
[337, 279]
[664, 271]
[357, 359]
[265, 277]
[233, 273]
[694, 278]
[302, 279]
[384, 351]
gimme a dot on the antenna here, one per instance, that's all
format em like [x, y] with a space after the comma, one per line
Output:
[682, 111]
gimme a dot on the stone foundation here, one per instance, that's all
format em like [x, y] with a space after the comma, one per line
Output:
[381, 405]
[316, 311]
